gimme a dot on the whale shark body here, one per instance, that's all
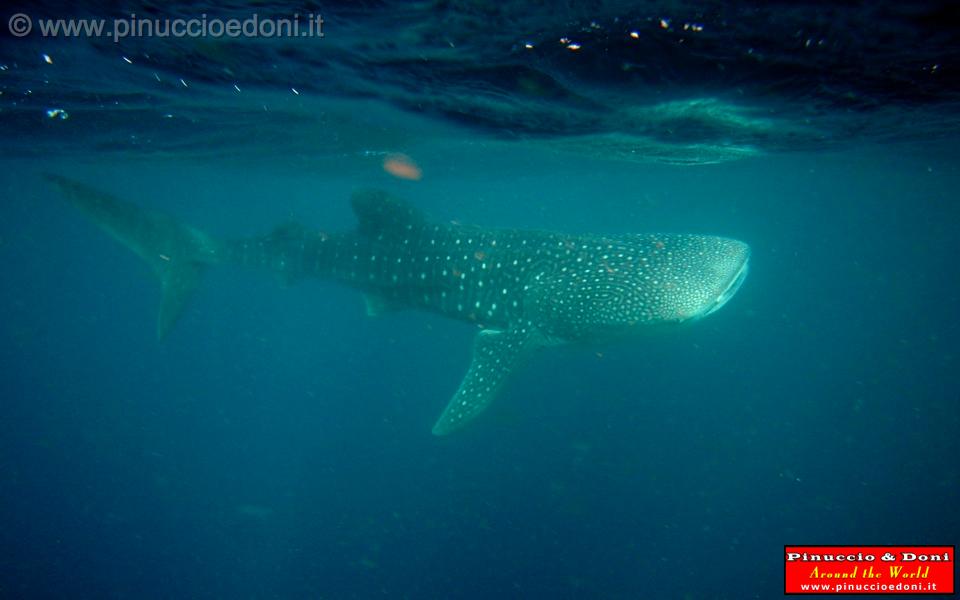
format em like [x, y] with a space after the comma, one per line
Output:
[526, 289]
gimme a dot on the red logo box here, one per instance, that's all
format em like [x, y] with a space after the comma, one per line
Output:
[869, 569]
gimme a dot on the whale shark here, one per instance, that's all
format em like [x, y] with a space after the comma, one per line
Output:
[526, 289]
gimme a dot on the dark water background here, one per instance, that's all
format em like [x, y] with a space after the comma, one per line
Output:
[277, 445]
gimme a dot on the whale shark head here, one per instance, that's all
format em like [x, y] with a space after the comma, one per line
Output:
[637, 282]
[688, 277]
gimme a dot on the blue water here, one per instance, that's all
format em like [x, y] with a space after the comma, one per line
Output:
[277, 444]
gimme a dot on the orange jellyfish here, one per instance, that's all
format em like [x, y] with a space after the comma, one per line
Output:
[402, 166]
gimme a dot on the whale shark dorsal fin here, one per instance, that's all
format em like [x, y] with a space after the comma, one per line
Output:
[380, 214]
[496, 354]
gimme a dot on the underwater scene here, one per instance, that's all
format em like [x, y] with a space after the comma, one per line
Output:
[473, 299]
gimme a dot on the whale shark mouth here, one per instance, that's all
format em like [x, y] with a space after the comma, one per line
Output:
[731, 289]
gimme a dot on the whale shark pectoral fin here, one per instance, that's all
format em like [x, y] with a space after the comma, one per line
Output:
[178, 282]
[496, 354]
[378, 305]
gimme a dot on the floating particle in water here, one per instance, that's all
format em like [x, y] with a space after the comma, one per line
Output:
[402, 166]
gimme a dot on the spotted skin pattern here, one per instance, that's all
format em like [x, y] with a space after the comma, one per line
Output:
[525, 289]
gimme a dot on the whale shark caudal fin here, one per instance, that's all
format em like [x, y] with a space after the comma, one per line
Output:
[177, 253]
[180, 254]
[496, 354]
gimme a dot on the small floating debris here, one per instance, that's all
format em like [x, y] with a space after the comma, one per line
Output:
[47, 59]
[128, 60]
[58, 113]
[402, 166]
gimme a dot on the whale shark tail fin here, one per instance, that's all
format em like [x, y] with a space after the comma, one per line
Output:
[177, 253]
